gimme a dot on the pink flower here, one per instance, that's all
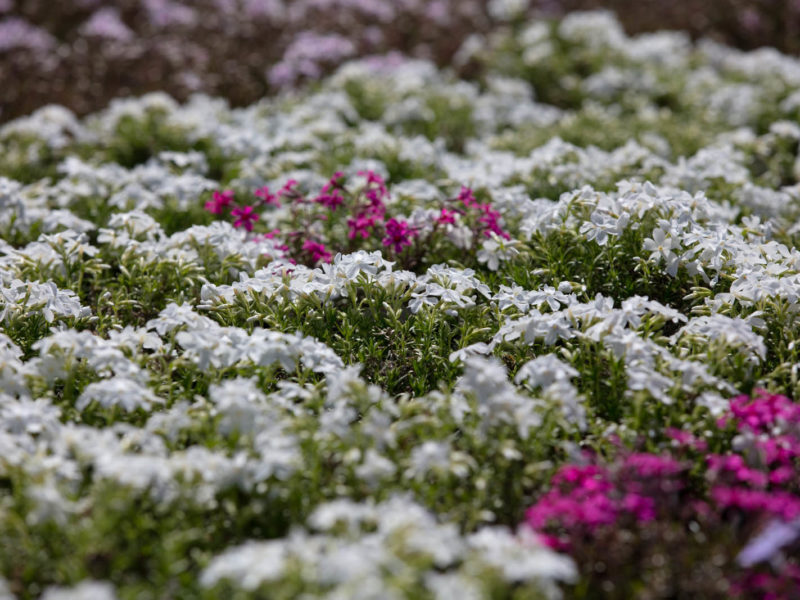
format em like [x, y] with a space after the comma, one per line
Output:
[491, 221]
[652, 465]
[375, 192]
[288, 188]
[762, 412]
[246, 217]
[376, 205]
[447, 216]
[331, 200]
[270, 235]
[580, 497]
[782, 475]
[268, 197]
[219, 201]
[467, 197]
[642, 507]
[684, 438]
[360, 226]
[318, 251]
[398, 234]
[375, 181]
[334, 183]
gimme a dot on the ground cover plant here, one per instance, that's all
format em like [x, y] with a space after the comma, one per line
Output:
[404, 335]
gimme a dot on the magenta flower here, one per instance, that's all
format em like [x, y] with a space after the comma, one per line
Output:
[288, 189]
[375, 192]
[762, 412]
[245, 217]
[219, 201]
[398, 234]
[330, 200]
[491, 221]
[268, 197]
[270, 235]
[467, 197]
[447, 216]
[334, 183]
[652, 465]
[360, 226]
[684, 438]
[641, 507]
[376, 205]
[375, 181]
[318, 251]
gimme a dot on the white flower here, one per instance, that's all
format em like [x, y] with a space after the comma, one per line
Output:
[520, 557]
[447, 586]
[640, 379]
[462, 354]
[544, 371]
[85, 590]
[497, 249]
[498, 400]
[504, 10]
[33, 417]
[734, 332]
[550, 328]
[49, 504]
[173, 316]
[5, 592]
[135, 338]
[248, 565]
[430, 456]
[714, 402]
[375, 468]
[120, 391]
[661, 246]
[241, 406]
[23, 298]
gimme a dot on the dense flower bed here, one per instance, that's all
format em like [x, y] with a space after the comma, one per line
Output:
[409, 336]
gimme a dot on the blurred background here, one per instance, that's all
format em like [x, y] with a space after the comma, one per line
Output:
[83, 53]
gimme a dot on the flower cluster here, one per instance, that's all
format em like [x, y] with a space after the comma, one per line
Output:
[754, 482]
[314, 226]
[589, 496]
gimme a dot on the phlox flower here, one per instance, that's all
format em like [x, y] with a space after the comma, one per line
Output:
[360, 225]
[496, 250]
[446, 216]
[334, 183]
[398, 234]
[268, 197]
[467, 197]
[375, 192]
[245, 217]
[219, 201]
[661, 246]
[331, 194]
[762, 412]
[490, 219]
[288, 189]
[375, 181]
[332, 200]
[318, 251]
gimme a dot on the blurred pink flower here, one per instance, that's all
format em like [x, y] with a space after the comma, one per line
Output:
[219, 201]
[245, 217]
